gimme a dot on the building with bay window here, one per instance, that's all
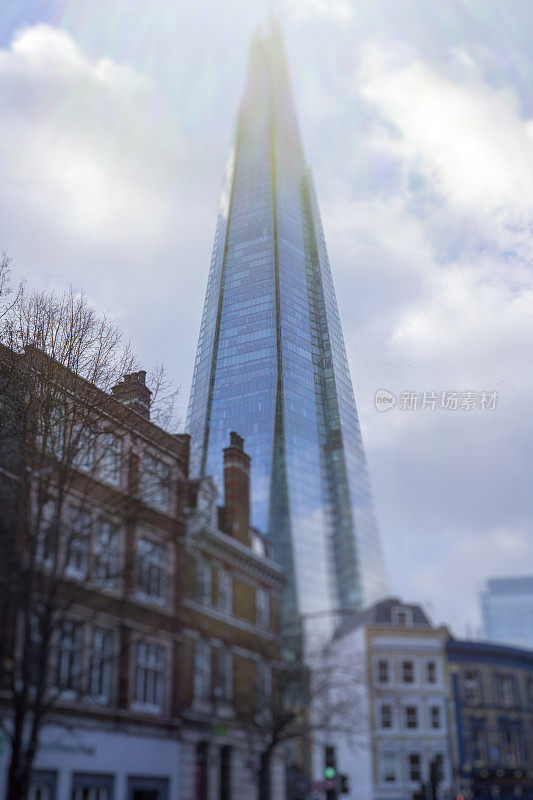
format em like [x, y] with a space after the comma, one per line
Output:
[231, 650]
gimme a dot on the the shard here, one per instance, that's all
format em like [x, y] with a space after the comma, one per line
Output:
[271, 362]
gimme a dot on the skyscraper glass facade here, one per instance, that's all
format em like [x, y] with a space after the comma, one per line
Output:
[271, 362]
[507, 610]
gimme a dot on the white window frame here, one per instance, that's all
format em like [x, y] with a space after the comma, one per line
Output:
[152, 562]
[202, 670]
[408, 757]
[388, 764]
[46, 550]
[223, 689]
[382, 706]
[149, 685]
[78, 543]
[431, 664]
[402, 616]
[435, 718]
[262, 607]
[106, 553]
[224, 590]
[403, 663]
[101, 666]
[70, 657]
[156, 476]
[378, 663]
[405, 710]
[204, 590]
[264, 680]
[111, 458]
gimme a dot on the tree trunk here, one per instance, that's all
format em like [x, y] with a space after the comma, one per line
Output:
[264, 775]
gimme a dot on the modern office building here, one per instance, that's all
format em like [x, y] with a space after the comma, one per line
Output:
[507, 611]
[271, 361]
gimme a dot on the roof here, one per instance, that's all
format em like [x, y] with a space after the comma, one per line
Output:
[463, 650]
[381, 613]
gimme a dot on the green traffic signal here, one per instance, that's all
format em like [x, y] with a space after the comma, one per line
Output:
[329, 773]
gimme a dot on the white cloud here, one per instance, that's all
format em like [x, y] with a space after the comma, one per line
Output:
[467, 138]
[79, 146]
[311, 9]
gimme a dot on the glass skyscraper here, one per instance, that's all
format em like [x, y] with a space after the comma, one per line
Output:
[271, 362]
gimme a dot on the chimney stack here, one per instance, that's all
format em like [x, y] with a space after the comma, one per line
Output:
[134, 393]
[237, 490]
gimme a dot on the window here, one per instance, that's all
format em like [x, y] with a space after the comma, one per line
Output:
[383, 671]
[203, 581]
[149, 676]
[411, 716]
[505, 690]
[402, 616]
[46, 535]
[477, 743]
[106, 553]
[388, 768]
[42, 785]
[111, 458]
[264, 681]
[224, 593]
[69, 656]
[438, 760]
[262, 608]
[92, 787]
[77, 544]
[414, 770]
[100, 666]
[202, 670]
[431, 672]
[224, 675]
[151, 569]
[386, 716]
[435, 717]
[472, 686]
[529, 691]
[408, 672]
[155, 482]
[33, 647]
[510, 747]
[82, 443]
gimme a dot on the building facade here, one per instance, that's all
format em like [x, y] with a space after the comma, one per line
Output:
[271, 361]
[492, 719]
[102, 552]
[507, 611]
[148, 634]
[231, 648]
[403, 691]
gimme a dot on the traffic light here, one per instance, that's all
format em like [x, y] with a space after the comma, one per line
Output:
[344, 785]
[330, 772]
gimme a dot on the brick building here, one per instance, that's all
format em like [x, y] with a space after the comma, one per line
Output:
[166, 615]
[230, 617]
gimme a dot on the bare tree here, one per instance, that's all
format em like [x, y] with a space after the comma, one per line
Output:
[58, 361]
[311, 698]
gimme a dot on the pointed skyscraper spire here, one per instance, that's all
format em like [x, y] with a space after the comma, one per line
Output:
[271, 362]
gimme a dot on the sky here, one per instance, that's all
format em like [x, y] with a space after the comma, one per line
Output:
[417, 120]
